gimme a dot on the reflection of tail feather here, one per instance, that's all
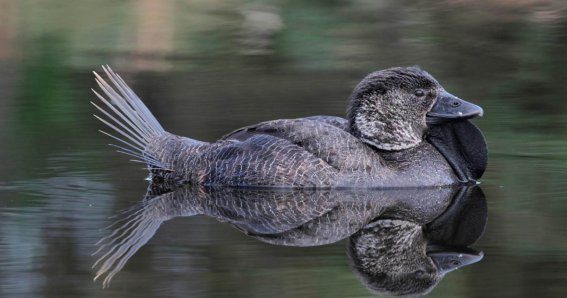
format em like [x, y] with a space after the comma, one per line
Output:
[124, 242]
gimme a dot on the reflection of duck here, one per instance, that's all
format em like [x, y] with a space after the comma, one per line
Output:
[291, 218]
[397, 257]
[381, 144]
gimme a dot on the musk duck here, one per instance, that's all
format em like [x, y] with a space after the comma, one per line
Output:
[402, 129]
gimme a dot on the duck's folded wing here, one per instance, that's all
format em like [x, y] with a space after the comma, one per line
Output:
[325, 137]
[263, 160]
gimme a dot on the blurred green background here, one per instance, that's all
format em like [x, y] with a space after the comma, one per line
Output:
[207, 67]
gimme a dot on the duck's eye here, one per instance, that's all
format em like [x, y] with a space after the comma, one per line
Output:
[419, 93]
[419, 273]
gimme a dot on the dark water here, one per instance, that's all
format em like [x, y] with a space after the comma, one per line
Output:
[207, 67]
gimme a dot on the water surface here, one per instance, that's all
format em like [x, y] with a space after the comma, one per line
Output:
[205, 68]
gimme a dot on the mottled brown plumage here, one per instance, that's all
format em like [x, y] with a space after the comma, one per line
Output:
[381, 144]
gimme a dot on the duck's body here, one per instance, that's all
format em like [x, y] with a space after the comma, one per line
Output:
[313, 152]
[303, 152]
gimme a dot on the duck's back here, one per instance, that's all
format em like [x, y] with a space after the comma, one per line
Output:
[304, 152]
[324, 137]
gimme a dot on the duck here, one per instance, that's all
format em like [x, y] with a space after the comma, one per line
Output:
[402, 129]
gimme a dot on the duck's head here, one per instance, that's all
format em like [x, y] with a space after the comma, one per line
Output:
[392, 108]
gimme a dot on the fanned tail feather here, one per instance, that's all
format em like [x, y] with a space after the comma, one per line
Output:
[129, 117]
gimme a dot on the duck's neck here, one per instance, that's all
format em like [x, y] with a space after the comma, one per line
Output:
[421, 164]
[389, 145]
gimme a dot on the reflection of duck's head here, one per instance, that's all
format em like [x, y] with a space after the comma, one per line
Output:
[394, 257]
[390, 109]
[390, 258]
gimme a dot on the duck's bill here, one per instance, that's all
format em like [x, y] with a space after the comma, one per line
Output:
[450, 259]
[449, 107]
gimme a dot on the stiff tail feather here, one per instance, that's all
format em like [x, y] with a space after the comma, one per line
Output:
[130, 118]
